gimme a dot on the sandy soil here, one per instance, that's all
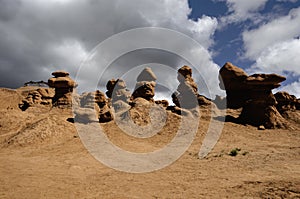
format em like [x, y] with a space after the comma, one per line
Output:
[42, 156]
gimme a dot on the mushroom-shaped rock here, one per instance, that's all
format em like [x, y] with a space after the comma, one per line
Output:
[63, 86]
[254, 94]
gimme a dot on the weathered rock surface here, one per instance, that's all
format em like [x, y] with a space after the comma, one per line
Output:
[220, 102]
[116, 90]
[98, 105]
[254, 94]
[186, 95]
[105, 114]
[87, 100]
[100, 99]
[146, 113]
[164, 103]
[118, 96]
[288, 105]
[232, 80]
[39, 96]
[105, 111]
[146, 75]
[145, 86]
[63, 86]
[285, 101]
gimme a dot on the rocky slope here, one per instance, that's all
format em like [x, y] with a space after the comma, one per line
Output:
[42, 156]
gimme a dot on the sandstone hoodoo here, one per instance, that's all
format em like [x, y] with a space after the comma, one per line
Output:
[254, 94]
[118, 95]
[251, 93]
[145, 86]
[259, 108]
[232, 79]
[100, 99]
[186, 95]
[93, 107]
[116, 90]
[63, 86]
[105, 113]
[142, 102]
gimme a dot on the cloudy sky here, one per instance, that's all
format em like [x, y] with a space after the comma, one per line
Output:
[87, 39]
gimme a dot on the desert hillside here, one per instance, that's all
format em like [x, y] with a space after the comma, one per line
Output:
[42, 156]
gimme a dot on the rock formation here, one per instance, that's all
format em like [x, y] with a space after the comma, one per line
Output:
[100, 99]
[116, 90]
[186, 95]
[105, 112]
[63, 86]
[96, 100]
[145, 86]
[287, 105]
[231, 79]
[163, 103]
[220, 102]
[39, 96]
[285, 102]
[87, 100]
[254, 94]
[118, 95]
[140, 110]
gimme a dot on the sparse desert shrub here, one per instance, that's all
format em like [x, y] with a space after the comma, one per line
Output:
[234, 152]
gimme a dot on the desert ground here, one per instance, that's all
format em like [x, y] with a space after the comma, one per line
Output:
[42, 156]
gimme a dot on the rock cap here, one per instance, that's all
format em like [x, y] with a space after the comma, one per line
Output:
[60, 73]
[146, 75]
[185, 71]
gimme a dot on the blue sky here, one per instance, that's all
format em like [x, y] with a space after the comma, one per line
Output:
[228, 39]
[38, 37]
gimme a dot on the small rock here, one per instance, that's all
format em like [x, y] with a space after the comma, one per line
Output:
[261, 127]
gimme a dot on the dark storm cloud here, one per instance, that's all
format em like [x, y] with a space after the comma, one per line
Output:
[38, 37]
[145, 57]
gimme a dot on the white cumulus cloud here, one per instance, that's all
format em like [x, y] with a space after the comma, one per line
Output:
[275, 47]
[240, 10]
[280, 57]
[278, 30]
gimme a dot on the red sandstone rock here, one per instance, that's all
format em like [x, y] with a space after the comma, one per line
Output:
[254, 94]
[145, 86]
[63, 86]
